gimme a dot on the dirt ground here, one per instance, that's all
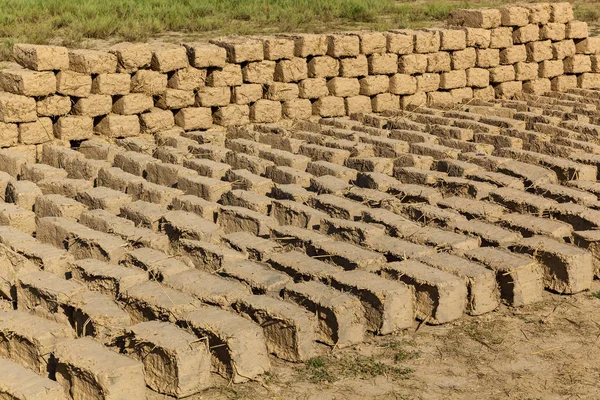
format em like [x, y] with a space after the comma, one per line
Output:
[545, 351]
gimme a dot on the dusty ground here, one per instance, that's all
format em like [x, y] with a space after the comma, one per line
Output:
[545, 351]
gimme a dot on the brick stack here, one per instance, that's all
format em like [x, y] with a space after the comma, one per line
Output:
[135, 88]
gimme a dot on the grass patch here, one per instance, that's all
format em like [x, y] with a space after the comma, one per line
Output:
[316, 370]
[595, 294]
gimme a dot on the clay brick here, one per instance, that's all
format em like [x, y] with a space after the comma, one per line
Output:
[156, 120]
[277, 48]
[93, 106]
[403, 84]
[561, 12]
[38, 387]
[539, 13]
[313, 88]
[513, 55]
[192, 118]
[426, 41]
[133, 103]
[478, 38]
[36, 132]
[514, 16]
[385, 102]
[241, 49]
[399, 42]
[104, 198]
[232, 115]
[463, 59]
[148, 82]
[229, 75]
[343, 45]
[372, 42]
[114, 125]
[526, 71]
[438, 62]
[247, 93]
[73, 84]
[487, 58]
[553, 31]
[588, 81]
[131, 56]
[480, 18]
[539, 51]
[576, 30]
[310, 45]
[411, 64]
[563, 83]
[577, 64]
[265, 111]
[17, 217]
[9, 134]
[329, 106]
[50, 106]
[166, 58]
[213, 96]
[92, 62]
[22, 193]
[358, 105]
[385, 63]
[351, 67]
[297, 109]
[428, 82]
[280, 91]
[189, 78]
[374, 84]
[501, 38]
[203, 55]
[455, 79]
[416, 100]
[259, 72]
[538, 86]
[563, 49]
[64, 186]
[111, 84]
[27, 83]
[41, 57]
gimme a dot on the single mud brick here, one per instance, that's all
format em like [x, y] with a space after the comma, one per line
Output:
[287, 175]
[337, 207]
[501, 38]
[514, 16]
[564, 194]
[322, 153]
[246, 180]
[507, 90]
[411, 64]
[241, 346]
[480, 18]
[186, 225]
[19, 382]
[27, 339]
[479, 77]
[563, 49]
[328, 184]
[521, 202]
[291, 192]
[229, 75]
[107, 374]
[144, 214]
[105, 278]
[148, 82]
[577, 64]
[152, 300]
[65, 186]
[207, 188]
[262, 72]
[104, 198]
[117, 179]
[487, 58]
[252, 201]
[36, 132]
[184, 361]
[40, 57]
[302, 267]
[350, 231]
[55, 205]
[241, 49]
[370, 164]
[37, 172]
[343, 45]
[473, 209]
[236, 219]
[488, 233]
[589, 240]
[232, 115]
[529, 226]
[277, 48]
[343, 87]
[92, 106]
[16, 108]
[292, 70]
[208, 256]
[260, 278]
[320, 168]
[156, 120]
[265, 111]
[438, 62]
[153, 193]
[351, 67]
[27, 83]
[567, 269]
[539, 13]
[166, 58]
[428, 82]
[132, 162]
[551, 68]
[132, 56]
[254, 247]
[519, 277]
[440, 296]
[288, 212]
[203, 55]
[561, 12]
[22, 193]
[208, 168]
[132, 103]
[481, 283]
[73, 84]
[477, 37]
[341, 317]
[166, 174]
[118, 126]
[175, 99]
[346, 255]
[588, 81]
[385, 63]
[189, 78]
[247, 93]
[54, 105]
[81, 241]
[159, 265]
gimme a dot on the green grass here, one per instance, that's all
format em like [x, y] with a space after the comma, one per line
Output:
[595, 294]
[70, 22]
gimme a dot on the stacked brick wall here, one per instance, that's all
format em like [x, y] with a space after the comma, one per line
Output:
[135, 88]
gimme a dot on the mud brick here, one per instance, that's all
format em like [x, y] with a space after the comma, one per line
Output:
[440, 296]
[240, 219]
[208, 256]
[133, 103]
[203, 55]
[186, 225]
[246, 180]
[247, 93]
[159, 265]
[104, 198]
[576, 30]
[22, 193]
[117, 179]
[489, 234]
[473, 209]
[262, 72]
[37, 172]
[527, 34]
[64, 186]
[265, 111]
[115, 126]
[14, 216]
[207, 168]
[502, 73]
[280, 91]
[426, 41]
[254, 247]
[111, 84]
[92, 62]
[344, 309]
[428, 82]
[309, 44]
[36, 132]
[337, 207]
[166, 58]
[343, 45]
[237, 335]
[207, 188]
[513, 55]
[577, 64]
[411, 64]
[260, 278]
[478, 77]
[241, 49]
[507, 90]
[54, 105]
[291, 192]
[16, 108]
[242, 161]
[385, 63]
[588, 81]
[514, 16]
[152, 300]
[301, 267]
[174, 99]
[350, 231]
[292, 70]
[156, 120]
[41, 57]
[93, 106]
[553, 31]
[539, 51]
[324, 67]
[189, 78]
[287, 175]
[481, 282]
[519, 277]
[343, 87]
[484, 94]
[37, 387]
[539, 13]
[374, 84]
[477, 37]
[148, 82]
[320, 168]
[55, 205]
[561, 12]
[351, 67]
[501, 38]
[229, 75]
[346, 255]
[277, 48]
[551, 68]
[564, 194]
[595, 64]
[166, 174]
[487, 58]
[526, 71]
[159, 343]
[329, 106]
[454, 79]
[133, 162]
[194, 118]
[370, 164]
[313, 88]
[232, 115]
[27, 83]
[288, 212]
[463, 59]
[328, 184]
[207, 287]
[522, 202]
[563, 49]
[132, 56]
[567, 269]
[144, 214]
[438, 62]
[285, 158]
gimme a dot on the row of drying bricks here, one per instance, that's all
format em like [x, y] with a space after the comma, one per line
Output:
[73, 235]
